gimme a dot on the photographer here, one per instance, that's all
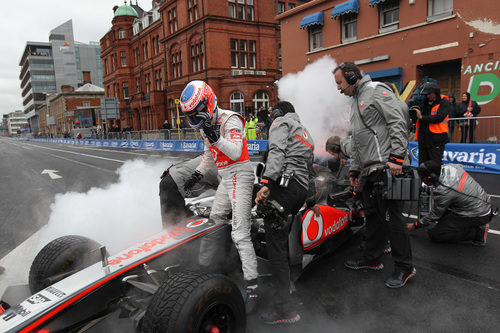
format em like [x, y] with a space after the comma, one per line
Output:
[288, 179]
[379, 122]
[461, 207]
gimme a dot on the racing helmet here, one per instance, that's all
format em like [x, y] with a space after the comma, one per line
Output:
[198, 103]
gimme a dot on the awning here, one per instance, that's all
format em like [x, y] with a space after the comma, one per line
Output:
[351, 6]
[316, 18]
[374, 2]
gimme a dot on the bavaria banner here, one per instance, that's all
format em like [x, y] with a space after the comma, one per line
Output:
[473, 156]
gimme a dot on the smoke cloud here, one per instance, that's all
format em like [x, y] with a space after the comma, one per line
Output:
[313, 92]
[116, 216]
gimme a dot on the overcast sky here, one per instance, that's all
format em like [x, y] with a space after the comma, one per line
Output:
[32, 20]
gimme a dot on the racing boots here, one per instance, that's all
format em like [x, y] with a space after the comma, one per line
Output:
[252, 295]
[481, 235]
[363, 264]
[399, 278]
[275, 317]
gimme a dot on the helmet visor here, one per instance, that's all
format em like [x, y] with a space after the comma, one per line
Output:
[197, 116]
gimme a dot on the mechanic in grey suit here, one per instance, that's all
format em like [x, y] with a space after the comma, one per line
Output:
[172, 193]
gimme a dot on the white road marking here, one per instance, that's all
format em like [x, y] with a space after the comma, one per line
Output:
[81, 154]
[51, 173]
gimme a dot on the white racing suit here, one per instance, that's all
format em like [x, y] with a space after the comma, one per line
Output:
[230, 154]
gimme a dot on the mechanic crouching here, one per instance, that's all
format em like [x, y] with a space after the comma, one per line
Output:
[461, 207]
[379, 122]
[226, 147]
[172, 193]
[288, 179]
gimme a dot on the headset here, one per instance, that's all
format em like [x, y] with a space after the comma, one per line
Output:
[277, 113]
[334, 148]
[424, 170]
[350, 76]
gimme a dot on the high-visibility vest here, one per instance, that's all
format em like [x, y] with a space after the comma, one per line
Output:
[437, 128]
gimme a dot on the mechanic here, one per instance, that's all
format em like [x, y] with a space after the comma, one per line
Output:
[432, 124]
[226, 147]
[379, 122]
[172, 194]
[288, 179]
[462, 209]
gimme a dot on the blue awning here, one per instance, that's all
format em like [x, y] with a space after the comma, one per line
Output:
[351, 6]
[374, 2]
[396, 71]
[316, 18]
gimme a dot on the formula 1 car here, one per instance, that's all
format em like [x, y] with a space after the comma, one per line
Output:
[157, 283]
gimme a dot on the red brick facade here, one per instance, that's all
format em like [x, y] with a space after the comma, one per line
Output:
[238, 56]
[458, 46]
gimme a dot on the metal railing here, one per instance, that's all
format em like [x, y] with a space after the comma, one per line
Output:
[486, 129]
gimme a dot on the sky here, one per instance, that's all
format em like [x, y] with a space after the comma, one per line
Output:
[32, 20]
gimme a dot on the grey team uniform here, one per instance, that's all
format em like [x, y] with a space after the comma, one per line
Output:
[234, 193]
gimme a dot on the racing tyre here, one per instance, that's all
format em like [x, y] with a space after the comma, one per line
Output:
[195, 302]
[60, 258]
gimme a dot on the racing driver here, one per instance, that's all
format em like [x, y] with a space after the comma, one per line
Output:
[226, 146]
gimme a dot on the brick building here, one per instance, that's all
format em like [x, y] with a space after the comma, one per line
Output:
[402, 41]
[149, 56]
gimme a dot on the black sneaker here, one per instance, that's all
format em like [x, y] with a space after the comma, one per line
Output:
[272, 317]
[363, 264]
[399, 278]
[481, 236]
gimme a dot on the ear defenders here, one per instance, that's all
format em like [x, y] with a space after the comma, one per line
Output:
[349, 75]
[424, 170]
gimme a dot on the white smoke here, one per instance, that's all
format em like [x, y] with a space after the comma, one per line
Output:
[117, 216]
[313, 92]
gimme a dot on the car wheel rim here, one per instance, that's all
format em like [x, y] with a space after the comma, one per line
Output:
[219, 318]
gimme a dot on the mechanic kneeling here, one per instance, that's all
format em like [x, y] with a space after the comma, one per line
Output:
[461, 208]
[288, 179]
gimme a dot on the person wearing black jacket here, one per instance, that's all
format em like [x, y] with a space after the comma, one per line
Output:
[466, 109]
[452, 114]
[432, 124]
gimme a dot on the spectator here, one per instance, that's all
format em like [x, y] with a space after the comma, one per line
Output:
[251, 127]
[432, 124]
[172, 193]
[379, 141]
[453, 114]
[166, 125]
[262, 114]
[466, 109]
[461, 207]
[289, 179]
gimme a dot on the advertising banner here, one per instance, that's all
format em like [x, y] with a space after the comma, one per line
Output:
[474, 157]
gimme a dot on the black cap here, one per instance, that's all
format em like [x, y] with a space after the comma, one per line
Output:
[430, 87]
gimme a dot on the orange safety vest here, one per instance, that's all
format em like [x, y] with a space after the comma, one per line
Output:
[437, 128]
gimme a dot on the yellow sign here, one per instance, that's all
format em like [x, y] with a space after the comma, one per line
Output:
[176, 101]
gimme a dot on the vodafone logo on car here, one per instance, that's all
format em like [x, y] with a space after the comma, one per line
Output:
[315, 229]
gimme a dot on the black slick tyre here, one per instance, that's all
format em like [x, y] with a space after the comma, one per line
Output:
[60, 257]
[196, 302]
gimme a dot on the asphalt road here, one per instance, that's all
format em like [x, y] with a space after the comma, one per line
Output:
[456, 289]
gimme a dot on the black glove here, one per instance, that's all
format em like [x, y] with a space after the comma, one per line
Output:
[195, 177]
[212, 132]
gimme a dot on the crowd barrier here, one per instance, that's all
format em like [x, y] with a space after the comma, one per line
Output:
[474, 157]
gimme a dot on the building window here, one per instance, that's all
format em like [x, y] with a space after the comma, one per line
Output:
[123, 58]
[260, 98]
[125, 89]
[172, 20]
[121, 34]
[137, 85]
[291, 6]
[157, 45]
[158, 84]
[237, 102]
[176, 64]
[439, 8]
[315, 37]
[192, 10]
[241, 9]
[243, 53]
[113, 62]
[389, 15]
[197, 58]
[349, 27]
[147, 82]
[281, 7]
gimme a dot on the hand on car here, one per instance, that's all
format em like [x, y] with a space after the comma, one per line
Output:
[262, 195]
[410, 226]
